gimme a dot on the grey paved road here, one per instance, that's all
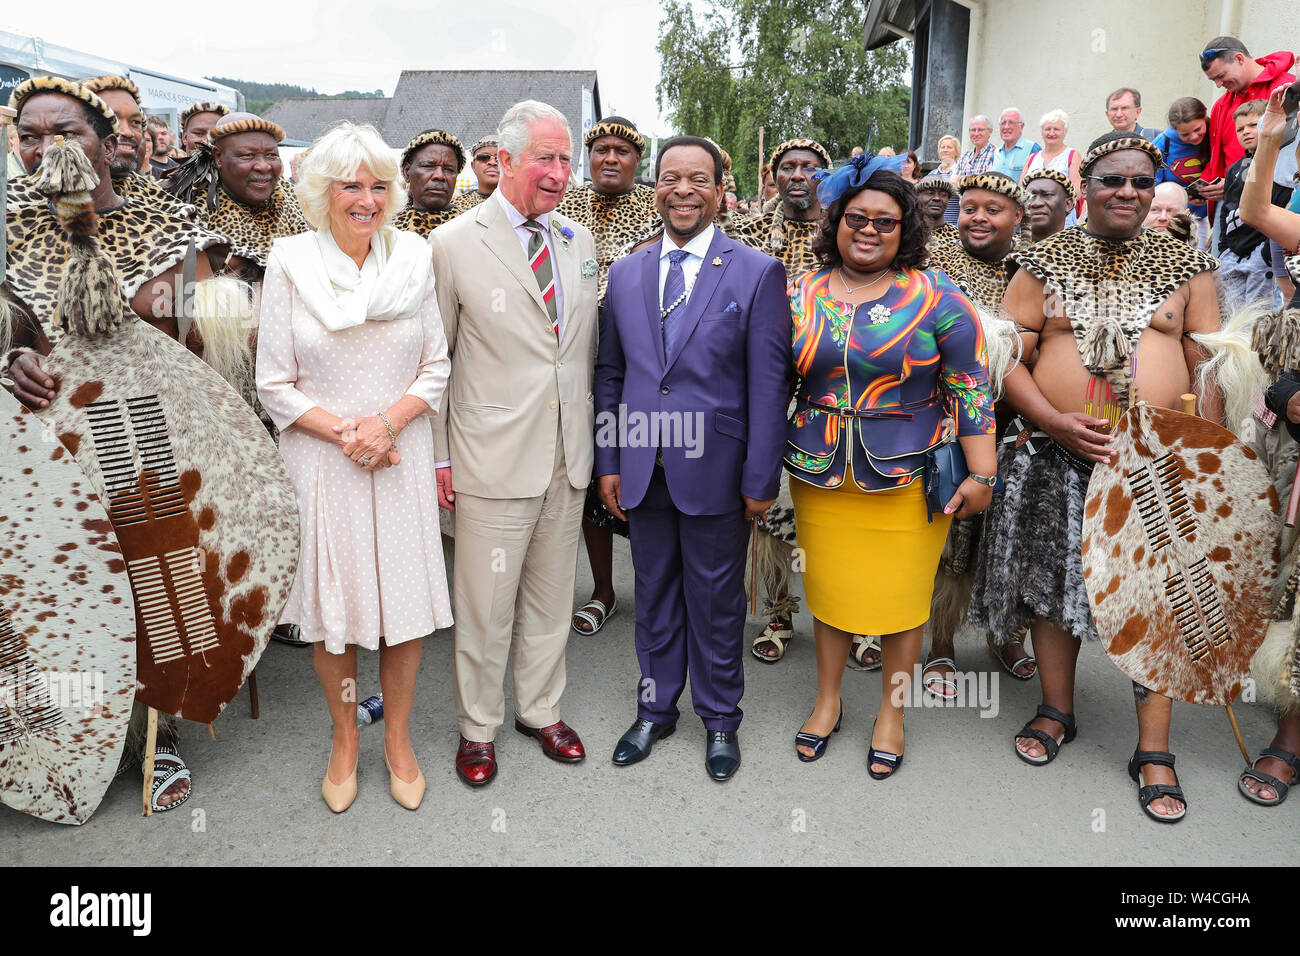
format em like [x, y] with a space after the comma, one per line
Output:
[961, 796]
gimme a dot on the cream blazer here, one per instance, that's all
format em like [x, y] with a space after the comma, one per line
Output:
[513, 387]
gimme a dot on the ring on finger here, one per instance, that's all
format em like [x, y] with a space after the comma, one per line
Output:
[365, 460]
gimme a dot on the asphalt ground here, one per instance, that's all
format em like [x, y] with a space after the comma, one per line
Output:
[961, 796]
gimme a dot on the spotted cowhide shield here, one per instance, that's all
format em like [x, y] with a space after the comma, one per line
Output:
[200, 501]
[67, 629]
[1179, 553]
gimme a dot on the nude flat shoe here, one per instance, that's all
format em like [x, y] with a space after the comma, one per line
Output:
[339, 796]
[408, 795]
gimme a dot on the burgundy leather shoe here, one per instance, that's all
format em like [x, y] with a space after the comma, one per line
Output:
[559, 741]
[476, 763]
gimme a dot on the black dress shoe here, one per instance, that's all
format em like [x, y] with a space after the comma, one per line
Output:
[635, 745]
[722, 756]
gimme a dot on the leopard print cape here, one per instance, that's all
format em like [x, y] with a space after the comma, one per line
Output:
[142, 241]
[983, 282]
[467, 200]
[616, 222]
[250, 230]
[1109, 289]
[411, 219]
[789, 241]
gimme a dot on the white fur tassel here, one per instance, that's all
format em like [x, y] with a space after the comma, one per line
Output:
[1233, 365]
[1274, 668]
[223, 317]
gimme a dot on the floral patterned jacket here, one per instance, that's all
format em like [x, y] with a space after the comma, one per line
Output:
[904, 365]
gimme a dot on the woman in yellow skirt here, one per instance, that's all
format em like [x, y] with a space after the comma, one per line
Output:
[891, 356]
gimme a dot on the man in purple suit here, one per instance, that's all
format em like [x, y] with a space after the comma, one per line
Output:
[691, 393]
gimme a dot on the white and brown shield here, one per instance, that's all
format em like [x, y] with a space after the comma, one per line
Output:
[201, 503]
[1179, 552]
[67, 629]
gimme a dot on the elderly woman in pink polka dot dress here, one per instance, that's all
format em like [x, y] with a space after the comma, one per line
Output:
[351, 363]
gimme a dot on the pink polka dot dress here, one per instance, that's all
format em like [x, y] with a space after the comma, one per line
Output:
[371, 561]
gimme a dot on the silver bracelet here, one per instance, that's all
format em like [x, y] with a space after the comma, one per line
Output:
[392, 436]
[990, 481]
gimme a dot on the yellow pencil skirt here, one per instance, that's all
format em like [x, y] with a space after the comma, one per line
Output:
[869, 557]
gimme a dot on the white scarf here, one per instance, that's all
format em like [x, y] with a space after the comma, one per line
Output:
[389, 285]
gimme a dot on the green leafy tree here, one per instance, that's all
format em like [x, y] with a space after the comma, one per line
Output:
[792, 67]
[258, 97]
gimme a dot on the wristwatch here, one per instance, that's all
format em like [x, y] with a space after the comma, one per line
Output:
[990, 481]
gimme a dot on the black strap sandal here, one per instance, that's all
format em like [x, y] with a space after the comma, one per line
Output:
[1268, 780]
[1154, 791]
[1049, 742]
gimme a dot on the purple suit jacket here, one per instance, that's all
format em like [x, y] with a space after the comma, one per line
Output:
[723, 393]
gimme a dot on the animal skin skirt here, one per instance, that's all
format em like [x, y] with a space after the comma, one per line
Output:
[869, 557]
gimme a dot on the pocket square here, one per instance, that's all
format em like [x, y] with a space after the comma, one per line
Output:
[732, 307]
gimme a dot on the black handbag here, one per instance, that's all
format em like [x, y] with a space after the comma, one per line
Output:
[945, 470]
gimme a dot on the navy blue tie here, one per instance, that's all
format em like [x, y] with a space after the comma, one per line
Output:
[674, 296]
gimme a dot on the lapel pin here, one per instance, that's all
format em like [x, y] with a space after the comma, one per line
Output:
[717, 260]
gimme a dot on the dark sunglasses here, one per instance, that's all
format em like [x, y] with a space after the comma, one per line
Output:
[485, 158]
[883, 224]
[1208, 55]
[1115, 181]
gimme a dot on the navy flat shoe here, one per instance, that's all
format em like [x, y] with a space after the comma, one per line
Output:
[893, 761]
[818, 744]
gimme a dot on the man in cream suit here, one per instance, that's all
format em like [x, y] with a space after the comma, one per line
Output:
[516, 285]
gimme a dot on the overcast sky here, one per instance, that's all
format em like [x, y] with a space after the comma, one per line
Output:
[336, 45]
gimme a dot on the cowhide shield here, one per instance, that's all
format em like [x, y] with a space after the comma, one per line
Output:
[200, 500]
[1179, 551]
[67, 629]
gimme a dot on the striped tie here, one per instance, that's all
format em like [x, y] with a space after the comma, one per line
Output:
[539, 257]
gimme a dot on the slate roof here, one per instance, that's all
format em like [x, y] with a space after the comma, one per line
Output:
[468, 103]
[306, 118]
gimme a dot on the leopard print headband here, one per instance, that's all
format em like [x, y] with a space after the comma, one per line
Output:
[621, 130]
[1106, 146]
[98, 84]
[490, 140]
[809, 144]
[56, 84]
[997, 183]
[936, 183]
[440, 137]
[194, 109]
[1055, 176]
[234, 123]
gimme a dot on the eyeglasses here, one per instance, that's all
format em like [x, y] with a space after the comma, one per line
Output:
[1115, 181]
[485, 158]
[883, 224]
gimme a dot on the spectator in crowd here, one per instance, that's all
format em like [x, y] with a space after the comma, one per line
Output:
[1123, 107]
[979, 158]
[15, 165]
[1056, 155]
[161, 160]
[1244, 264]
[1015, 151]
[1186, 149]
[1168, 201]
[1227, 63]
[886, 151]
[949, 150]
[197, 122]
[911, 170]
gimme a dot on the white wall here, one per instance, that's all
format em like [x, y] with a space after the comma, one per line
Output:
[1048, 54]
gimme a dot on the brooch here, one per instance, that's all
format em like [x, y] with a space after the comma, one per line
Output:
[564, 232]
[717, 260]
[588, 268]
[880, 313]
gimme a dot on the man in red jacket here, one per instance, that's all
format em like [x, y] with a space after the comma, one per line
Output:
[1227, 62]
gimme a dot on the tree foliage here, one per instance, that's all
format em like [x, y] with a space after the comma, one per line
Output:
[258, 97]
[793, 67]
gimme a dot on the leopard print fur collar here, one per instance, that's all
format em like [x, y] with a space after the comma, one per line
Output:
[411, 219]
[142, 241]
[1109, 289]
[249, 230]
